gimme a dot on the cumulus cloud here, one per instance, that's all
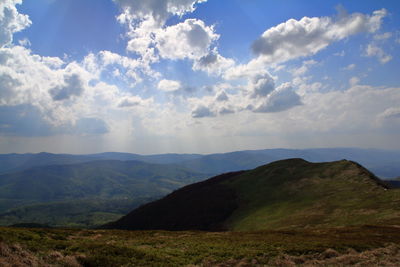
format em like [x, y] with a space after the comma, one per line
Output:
[189, 39]
[131, 71]
[11, 21]
[152, 40]
[375, 51]
[146, 19]
[168, 85]
[130, 102]
[73, 86]
[226, 110]
[158, 10]
[36, 89]
[7, 86]
[299, 38]
[221, 96]
[283, 98]
[213, 63]
[261, 85]
[202, 111]
[134, 101]
[392, 112]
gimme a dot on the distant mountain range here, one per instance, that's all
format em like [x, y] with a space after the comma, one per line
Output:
[284, 194]
[383, 163]
[71, 190]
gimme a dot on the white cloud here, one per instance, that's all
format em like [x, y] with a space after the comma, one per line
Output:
[261, 85]
[168, 85]
[283, 98]
[152, 40]
[354, 81]
[375, 51]
[221, 96]
[146, 20]
[299, 38]
[304, 67]
[11, 21]
[350, 67]
[24, 42]
[202, 111]
[392, 112]
[134, 101]
[132, 71]
[213, 63]
[259, 95]
[63, 97]
[73, 86]
[383, 36]
[189, 39]
[158, 10]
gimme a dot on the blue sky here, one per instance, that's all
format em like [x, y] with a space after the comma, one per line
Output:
[198, 76]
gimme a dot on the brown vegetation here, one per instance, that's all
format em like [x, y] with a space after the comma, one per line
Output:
[16, 256]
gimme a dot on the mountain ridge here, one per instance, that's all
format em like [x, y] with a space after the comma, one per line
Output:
[283, 194]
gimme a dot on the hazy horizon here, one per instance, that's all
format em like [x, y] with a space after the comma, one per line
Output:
[210, 153]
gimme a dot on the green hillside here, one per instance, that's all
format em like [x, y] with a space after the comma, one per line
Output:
[295, 193]
[281, 195]
[85, 194]
[74, 213]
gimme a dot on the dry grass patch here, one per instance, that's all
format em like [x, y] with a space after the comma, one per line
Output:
[388, 256]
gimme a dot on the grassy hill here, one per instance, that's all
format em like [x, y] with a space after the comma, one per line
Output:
[281, 195]
[51, 194]
[78, 213]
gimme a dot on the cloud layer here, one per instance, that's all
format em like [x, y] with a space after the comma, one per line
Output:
[174, 83]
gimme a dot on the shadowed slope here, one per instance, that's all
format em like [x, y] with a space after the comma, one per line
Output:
[203, 206]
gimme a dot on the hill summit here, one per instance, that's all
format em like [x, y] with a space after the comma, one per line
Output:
[284, 194]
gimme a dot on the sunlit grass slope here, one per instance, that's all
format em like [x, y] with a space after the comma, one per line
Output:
[295, 193]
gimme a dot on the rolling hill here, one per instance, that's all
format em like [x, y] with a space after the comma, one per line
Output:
[286, 194]
[48, 194]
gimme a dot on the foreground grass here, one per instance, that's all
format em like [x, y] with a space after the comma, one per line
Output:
[68, 247]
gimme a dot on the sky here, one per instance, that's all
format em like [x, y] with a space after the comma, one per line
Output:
[198, 76]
